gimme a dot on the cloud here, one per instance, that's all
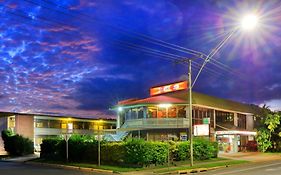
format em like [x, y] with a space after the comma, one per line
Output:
[103, 93]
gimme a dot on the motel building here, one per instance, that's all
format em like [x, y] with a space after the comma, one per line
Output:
[164, 116]
[40, 126]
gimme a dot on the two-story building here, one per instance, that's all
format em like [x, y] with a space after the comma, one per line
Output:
[39, 126]
[164, 116]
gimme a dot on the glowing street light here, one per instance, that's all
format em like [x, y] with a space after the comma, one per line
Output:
[249, 22]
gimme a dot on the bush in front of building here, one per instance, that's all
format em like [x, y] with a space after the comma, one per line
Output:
[80, 149]
[133, 152]
[16, 145]
[113, 153]
[203, 149]
[50, 149]
[140, 152]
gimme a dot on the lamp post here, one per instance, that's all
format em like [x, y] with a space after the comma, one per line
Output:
[68, 135]
[248, 22]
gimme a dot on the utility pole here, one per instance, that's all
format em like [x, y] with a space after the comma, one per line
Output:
[190, 112]
[99, 146]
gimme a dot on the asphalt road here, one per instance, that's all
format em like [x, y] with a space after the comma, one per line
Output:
[262, 168]
[12, 168]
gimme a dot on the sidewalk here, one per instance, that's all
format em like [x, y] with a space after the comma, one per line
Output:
[251, 156]
[22, 158]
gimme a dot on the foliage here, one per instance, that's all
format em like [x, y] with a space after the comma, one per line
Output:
[135, 152]
[263, 139]
[183, 151]
[49, 148]
[202, 149]
[16, 145]
[269, 136]
[113, 153]
[141, 152]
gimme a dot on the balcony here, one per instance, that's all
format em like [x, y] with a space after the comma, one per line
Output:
[157, 123]
[56, 131]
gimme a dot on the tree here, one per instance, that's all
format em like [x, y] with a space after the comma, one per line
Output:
[269, 135]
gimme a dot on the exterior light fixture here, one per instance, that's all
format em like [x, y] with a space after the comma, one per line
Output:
[249, 22]
[120, 109]
[164, 105]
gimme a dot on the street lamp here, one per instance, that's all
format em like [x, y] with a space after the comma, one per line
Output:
[248, 22]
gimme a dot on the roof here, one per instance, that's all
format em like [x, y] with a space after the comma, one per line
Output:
[181, 97]
[6, 114]
[152, 100]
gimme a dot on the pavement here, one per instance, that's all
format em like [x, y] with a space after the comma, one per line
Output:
[22, 158]
[255, 157]
[251, 156]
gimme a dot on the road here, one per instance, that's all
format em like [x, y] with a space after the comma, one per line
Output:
[261, 168]
[12, 168]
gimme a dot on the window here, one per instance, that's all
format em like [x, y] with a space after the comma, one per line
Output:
[224, 117]
[152, 112]
[54, 124]
[172, 112]
[181, 112]
[241, 121]
[39, 123]
[162, 113]
[11, 122]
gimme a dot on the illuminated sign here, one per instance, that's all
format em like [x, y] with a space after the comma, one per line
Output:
[168, 88]
[201, 130]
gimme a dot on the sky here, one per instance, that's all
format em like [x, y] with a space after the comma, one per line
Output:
[79, 57]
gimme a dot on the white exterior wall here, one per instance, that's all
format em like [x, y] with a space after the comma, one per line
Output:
[3, 126]
[235, 119]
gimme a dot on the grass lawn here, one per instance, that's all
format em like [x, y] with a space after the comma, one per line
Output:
[180, 165]
[209, 164]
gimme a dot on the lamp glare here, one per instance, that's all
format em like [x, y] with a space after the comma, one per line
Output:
[249, 22]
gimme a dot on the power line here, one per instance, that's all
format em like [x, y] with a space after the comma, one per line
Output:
[148, 39]
[142, 37]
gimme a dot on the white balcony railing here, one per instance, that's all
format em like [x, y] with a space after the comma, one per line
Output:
[157, 123]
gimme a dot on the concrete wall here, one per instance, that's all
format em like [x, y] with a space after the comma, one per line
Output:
[235, 119]
[249, 122]
[3, 125]
[25, 126]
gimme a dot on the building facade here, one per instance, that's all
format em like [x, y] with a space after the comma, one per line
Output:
[165, 117]
[39, 126]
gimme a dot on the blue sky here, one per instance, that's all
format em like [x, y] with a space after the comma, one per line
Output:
[78, 57]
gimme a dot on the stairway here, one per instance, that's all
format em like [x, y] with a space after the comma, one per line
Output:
[119, 136]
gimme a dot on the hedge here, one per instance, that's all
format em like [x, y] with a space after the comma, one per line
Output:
[135, 152]
[202, 150]
[16, 145]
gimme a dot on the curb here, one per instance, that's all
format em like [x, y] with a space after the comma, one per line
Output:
[199, 170]
[196, 170]
[70, 167]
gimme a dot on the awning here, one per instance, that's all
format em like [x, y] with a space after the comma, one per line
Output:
[236, 132]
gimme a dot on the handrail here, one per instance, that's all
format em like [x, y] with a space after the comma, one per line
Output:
[157, 123]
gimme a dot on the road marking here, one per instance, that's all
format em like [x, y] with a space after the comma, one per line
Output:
[270, 169]
[255, 167]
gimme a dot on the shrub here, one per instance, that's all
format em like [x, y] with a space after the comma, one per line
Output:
[140, 152]
[50, 148]
[135, 152]
[182, 152]
[113, 153]
[17, 145]
[158, 152]
[202, 150]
